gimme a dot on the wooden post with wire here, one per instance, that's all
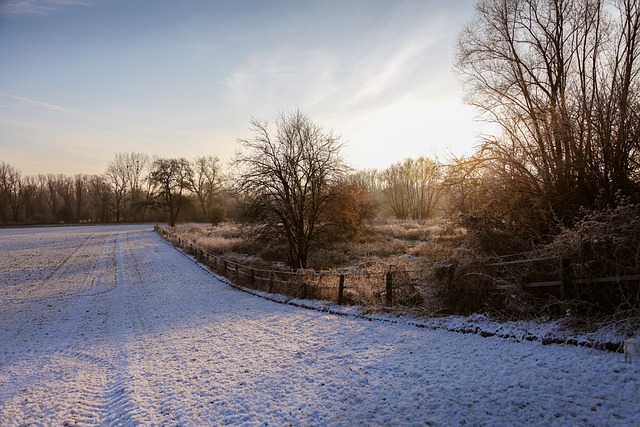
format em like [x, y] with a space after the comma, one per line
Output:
[389, 288]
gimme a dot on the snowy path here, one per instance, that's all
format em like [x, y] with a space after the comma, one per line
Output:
[112, 326]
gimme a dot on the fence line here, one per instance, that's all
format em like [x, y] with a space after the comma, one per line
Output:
[389, 286]
[384, 286]
[564, 277]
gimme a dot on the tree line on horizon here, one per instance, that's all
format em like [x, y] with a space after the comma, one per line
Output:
[137, 187]
[134, 188]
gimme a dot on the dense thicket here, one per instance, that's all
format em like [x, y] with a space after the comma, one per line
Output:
[560, 77]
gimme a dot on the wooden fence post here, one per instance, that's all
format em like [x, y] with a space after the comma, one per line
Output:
[566, 280]
[237, 271]
[271, 282]
[389, 286]
[341, 289]
[253, 277]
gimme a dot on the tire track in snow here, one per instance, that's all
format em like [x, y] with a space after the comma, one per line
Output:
[73, 385]
[122, 328]
[135, 308]
[67, 387]
[64, 388]
[132, 395]
[72, 308]
[67, 267]
[73, 276]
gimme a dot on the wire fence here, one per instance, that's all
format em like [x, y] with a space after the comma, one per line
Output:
[430, 288]
[381, 285]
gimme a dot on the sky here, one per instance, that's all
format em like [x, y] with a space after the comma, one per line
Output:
[82, 80]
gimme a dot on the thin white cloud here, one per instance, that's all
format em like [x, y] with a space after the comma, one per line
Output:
[47, 106]
[388, 69]
[69, 111]
[341, 80]
[38, 7]
[282, 78]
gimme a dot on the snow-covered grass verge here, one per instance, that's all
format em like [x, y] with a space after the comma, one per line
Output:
[541, 330]
[544, 330]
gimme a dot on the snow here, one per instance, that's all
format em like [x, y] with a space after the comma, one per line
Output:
[110, 325]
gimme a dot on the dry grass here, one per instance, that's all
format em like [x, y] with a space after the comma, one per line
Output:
[415, 242]
[406, 248]
[225, 239]
[436, 265]
[418, 241]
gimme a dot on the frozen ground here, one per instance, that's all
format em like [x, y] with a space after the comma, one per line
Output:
[112, 326]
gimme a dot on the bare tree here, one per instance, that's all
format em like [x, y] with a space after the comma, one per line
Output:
[100, 199]
[560, 78]
[65, 189]
[49, 189]
[81, 190]
[136, 164]
[33, 203]
[13, 192]
[171, 180]
[287, 180]
[373, 181]
[412, 188]
[617, 100]
[5, 184]
[125, 175]
[466, 185]
[206, 183]
[117, 176]
[350, 209]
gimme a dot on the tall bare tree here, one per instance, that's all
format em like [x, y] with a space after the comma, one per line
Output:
[49, 189]
[136, 165]
[373, 181]
[117, 176]
[65, 190]
[100, 199]
[125, 176]
[206, 183]
[287, 178]
[171, 180]
[13, 192]
[560, 77]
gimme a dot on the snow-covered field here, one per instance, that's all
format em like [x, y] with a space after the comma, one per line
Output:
[110, 325]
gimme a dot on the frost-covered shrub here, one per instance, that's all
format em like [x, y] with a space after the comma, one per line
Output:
[603, 243]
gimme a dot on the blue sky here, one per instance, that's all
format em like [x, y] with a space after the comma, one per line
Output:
[81, 80]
